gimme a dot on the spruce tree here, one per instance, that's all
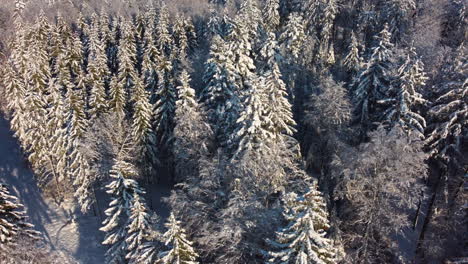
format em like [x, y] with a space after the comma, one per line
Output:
[403, 97]
[122, 189]
[122, 83]
[181, 249]
[165, 104]
[191, 132]
[163, 38]
[352, 61]
[252, 136]
[13, 221]
[278, 109]
[397, 14]
[271, 16]
[219, 96]
[293, 36]
[373, 81]
[138, 226]
[448, 114]
[98, 74]
[303, 239]
[142, 127]
[151, 54]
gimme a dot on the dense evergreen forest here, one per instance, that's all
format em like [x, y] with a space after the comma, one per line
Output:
[288, 131]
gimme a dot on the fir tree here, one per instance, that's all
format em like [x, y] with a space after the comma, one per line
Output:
[303, 240]
[182, 251]
[374, 79]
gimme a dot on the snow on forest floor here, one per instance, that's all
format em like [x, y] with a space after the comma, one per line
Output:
[72, 242]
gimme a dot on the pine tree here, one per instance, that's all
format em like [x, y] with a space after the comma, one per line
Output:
[352, 61]
[303, 240]
[13, 224]
[181, 251]
[293, 36]
[374, 79]
[403, 96]
[191, 132]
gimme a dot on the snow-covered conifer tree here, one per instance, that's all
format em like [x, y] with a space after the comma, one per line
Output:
[397, 14]
[18, 13]
[219, 97]
[403, 96]
[138, 226]
[165, 104]
[122, 83]
[374, 80]
[352, 61]
[277, 107]
[252, 136]
[98, 74]
[303, 239]
[449, 113]
[122, 189]
[181, 249]
[293, 36]
[180, 37]
[271, 16]
[163, 37]
[191, 132]
[13, 222]
[143, 113]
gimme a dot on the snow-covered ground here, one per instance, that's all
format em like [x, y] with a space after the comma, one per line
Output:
[77, 242]
[73, 242]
